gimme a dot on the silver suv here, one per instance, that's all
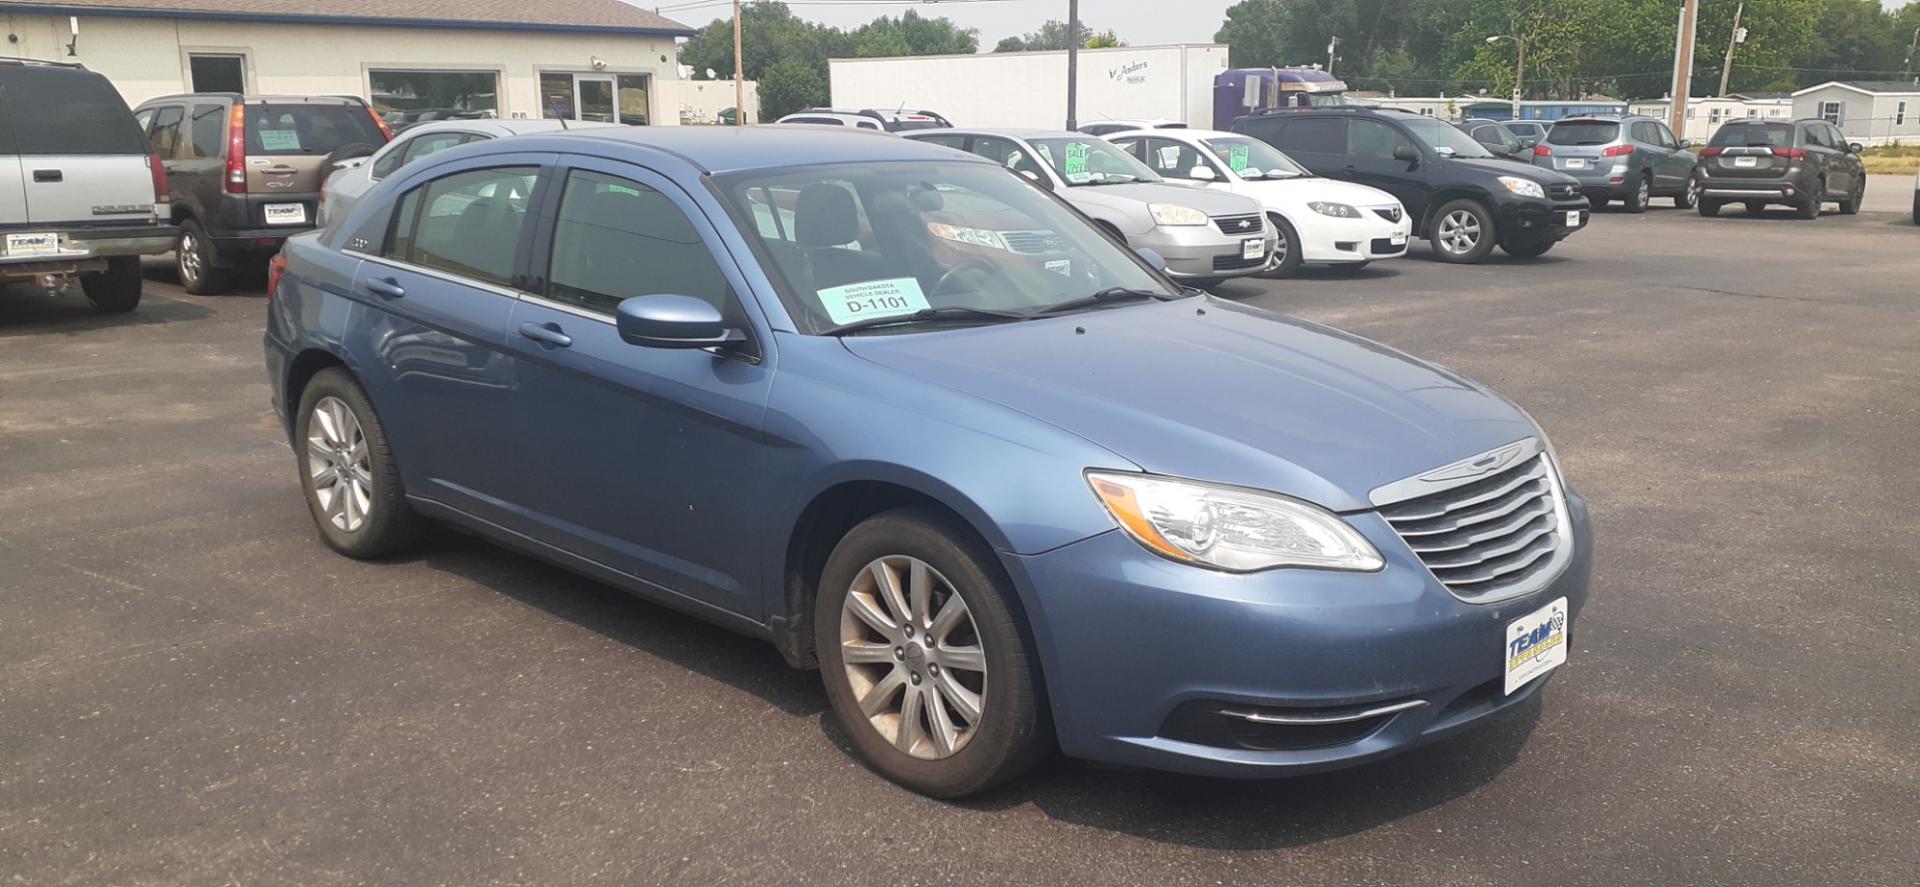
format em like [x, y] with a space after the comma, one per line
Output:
[80, 195]
[1631, 159]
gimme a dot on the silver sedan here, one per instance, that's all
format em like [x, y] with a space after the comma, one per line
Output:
[353, 178]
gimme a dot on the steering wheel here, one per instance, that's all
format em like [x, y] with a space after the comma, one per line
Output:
[974, 263]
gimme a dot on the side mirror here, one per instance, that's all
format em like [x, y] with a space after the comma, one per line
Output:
[673, 322]
[1201, 173]
[1855, 147]
[1158, 261]
[1406, 153]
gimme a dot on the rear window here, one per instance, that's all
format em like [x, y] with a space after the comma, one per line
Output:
[282, 130]
[1583, 132]
[917, 123]
[64, 111]
[1753, 135]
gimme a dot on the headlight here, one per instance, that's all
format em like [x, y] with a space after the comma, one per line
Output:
[1336, 210]
[1173, 215]
[1227, 528]
[975, 236]
[1523, 187]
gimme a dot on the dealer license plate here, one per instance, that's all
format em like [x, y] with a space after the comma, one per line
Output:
[35, 244]
[286, 213]
[1253, 249]
[1573, 218]
[1536, 644]
[1576, 163]
[1746, 161]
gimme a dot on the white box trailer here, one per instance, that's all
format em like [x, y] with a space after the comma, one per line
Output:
[1030, 88]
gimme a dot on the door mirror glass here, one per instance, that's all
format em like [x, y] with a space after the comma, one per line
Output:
[1855, 147]
[1410, 154]
[1201, 173]
[667, 321]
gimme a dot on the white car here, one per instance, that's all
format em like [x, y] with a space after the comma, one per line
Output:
[1109, 127]
[1320, 221]
[353, 178]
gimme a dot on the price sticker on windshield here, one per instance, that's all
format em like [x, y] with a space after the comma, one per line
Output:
[875, 298]
[1237, 157]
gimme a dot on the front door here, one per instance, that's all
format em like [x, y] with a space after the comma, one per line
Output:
[594, 99]
[1370, 148]
[645, 460]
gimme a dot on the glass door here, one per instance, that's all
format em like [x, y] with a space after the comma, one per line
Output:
[594, 98]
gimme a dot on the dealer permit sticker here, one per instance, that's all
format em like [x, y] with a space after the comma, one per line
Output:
[1536, 644]
[875, 298]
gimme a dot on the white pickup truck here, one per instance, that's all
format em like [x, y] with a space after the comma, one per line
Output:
[81, 196]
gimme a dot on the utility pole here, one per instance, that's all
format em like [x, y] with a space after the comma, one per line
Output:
[1910, 47]
[1073, 64]
[1737, 37]
[1683, 67]
[1333, 48]
[739, 80]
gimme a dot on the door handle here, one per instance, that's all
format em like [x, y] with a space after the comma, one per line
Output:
[547, 334]
[48, 175]
[388, 288]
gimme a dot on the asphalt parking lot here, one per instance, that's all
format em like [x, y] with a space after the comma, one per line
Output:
[194, 691]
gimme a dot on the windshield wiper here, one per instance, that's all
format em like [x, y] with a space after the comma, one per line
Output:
[1110, 294]
[946, 312]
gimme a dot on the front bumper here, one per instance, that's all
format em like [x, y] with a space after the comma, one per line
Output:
[1196, 251]
[1131, 643]
[1541, 219]
[1333, 241]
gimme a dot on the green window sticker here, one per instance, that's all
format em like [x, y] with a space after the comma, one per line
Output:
[1237, 157]
[875, 298]
[1076, 158]
[279, 140]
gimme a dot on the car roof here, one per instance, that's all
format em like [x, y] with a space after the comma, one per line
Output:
[1182, 134]
[728, 149]
[1012, 132]
[263, 99]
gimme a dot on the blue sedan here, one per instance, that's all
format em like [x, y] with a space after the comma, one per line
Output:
[924, 428]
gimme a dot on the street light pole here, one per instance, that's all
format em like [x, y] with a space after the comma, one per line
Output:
[1519, 65]
[1073, 64]
[739, 81]
[1733, 39]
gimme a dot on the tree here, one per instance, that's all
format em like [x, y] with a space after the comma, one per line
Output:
[1051, 36]
[1106, 39]
[789, 85]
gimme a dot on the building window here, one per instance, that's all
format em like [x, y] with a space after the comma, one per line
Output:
[1900, 114]
[602, 98]
[1713, 116]
[1833, 112]
[218, 72]
[404, 98]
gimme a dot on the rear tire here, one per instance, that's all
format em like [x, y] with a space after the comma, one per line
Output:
[1642, 194]
[1708, 207]
[1462, 232]
[354, 495]
[896, 731]
[1810, 207]
[1916, 206]
[1689, 195]
[117, 289]
[1755, 207]
[193, 257]
[1287, 247]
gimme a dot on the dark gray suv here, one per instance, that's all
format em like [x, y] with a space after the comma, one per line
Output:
[1631, 159]
[1801, 164]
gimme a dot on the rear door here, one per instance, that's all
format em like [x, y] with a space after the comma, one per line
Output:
[1824, 154]
[197, 164]
[1317, 143]
[82, 158]
[1677, 162]
[1843, 166]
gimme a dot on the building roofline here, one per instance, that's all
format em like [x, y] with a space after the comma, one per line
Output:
[1915, 90]
[300, 19]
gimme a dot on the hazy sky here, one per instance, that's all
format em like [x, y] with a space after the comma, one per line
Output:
[1140, 22]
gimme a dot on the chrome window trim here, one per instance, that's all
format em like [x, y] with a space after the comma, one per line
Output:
[568, 308]
[437, 274]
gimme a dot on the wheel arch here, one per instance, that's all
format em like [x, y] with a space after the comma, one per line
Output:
[300, 371]
[1445, 196]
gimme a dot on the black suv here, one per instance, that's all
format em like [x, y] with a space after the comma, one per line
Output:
[1460, 196]
[1802, 164]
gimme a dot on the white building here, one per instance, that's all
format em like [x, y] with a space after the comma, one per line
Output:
[1706, 113]
[1029, 89]
[582, 59]
[1873, 112]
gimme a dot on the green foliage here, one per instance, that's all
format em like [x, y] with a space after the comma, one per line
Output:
[1106, 39]
[788, 55]
[1053, 36]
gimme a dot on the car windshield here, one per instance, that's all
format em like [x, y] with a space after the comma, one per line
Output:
[1753, 135]
[1254, 159]
[1576, 133]
[1090, 160]
[1445, 138]
[848, 242]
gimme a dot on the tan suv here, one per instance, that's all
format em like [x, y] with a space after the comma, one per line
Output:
[245, 171]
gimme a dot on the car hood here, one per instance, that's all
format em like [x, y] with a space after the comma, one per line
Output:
[1135, 195]
[1316, 188]
[1215, 391]
[1498, 166]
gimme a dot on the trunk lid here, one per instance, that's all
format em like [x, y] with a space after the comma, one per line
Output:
[1579, 146]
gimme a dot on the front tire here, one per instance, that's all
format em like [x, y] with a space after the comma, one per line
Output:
[1642, 194]
[924, 656]
[1287, 248]
[193, 258]
[347, 470]
[1689, 193]
[117, 289]
[1756, 207]
[1855, 197]
[1462, 232]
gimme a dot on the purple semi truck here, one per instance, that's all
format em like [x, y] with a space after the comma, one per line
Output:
[1240, 92]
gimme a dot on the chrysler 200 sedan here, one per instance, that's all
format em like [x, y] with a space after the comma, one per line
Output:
[1006, 501]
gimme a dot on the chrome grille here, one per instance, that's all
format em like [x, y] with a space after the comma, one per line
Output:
[1252, 224]
[1491, 537]
[1033, 243]
[1563, 191]
[1390, 213]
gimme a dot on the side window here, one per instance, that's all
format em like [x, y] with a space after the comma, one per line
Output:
[165, 135]
[1315, 135]
[614, 239]
[208, 131]
[1005, 153]
[1665, 135]
[467, 223]
[1836, 139]
[954, 142]
[1642, 132]
[1374, 140]
[144, 120]
[431, 144]
[1173, 160]
[390, 161]
[1816, 136]
[1136, 147]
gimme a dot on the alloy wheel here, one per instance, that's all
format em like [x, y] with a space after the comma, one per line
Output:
[1459, 232]
[1279, 247]
[913, 657]
[1644, 195]
[187, 253]
[339, 472]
